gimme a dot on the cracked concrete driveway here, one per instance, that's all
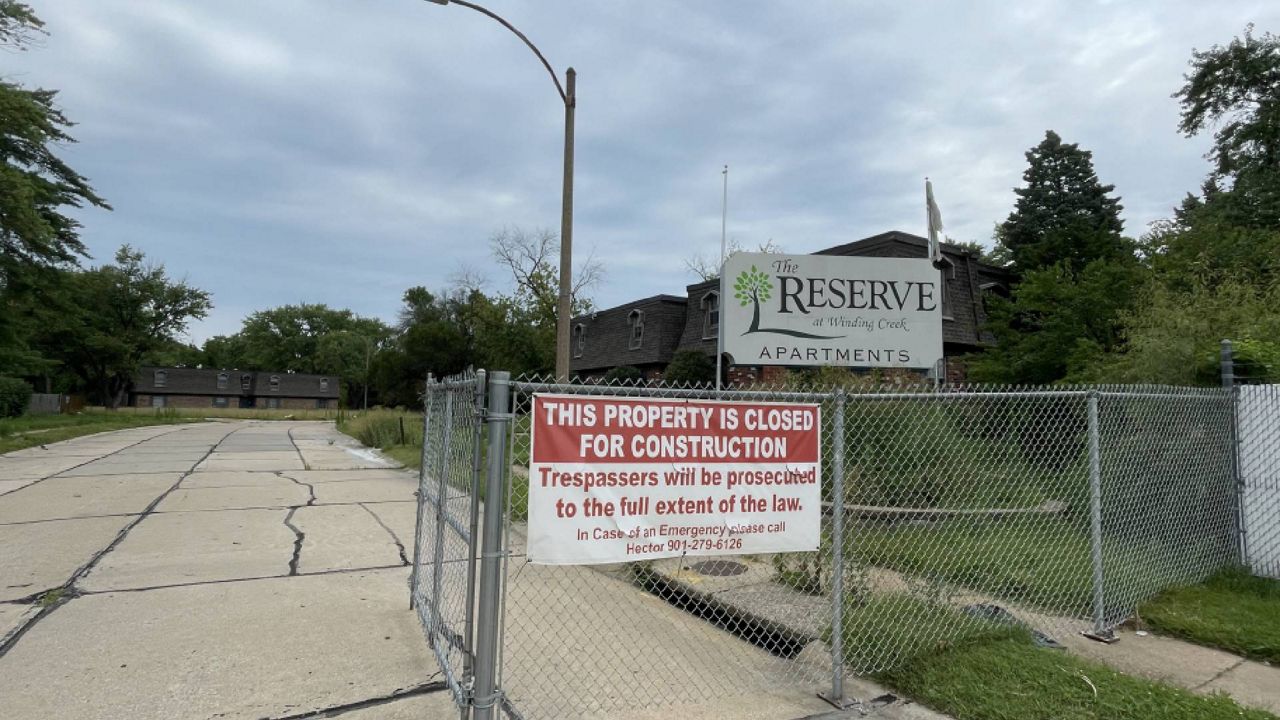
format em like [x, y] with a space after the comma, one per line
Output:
[228, 570]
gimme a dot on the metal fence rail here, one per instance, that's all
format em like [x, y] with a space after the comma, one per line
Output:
[948, 513]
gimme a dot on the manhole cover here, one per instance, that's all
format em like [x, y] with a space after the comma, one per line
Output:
[719, 568]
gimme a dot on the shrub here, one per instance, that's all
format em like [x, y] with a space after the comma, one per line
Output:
[15, 395]
[690, 367]
[625, 374]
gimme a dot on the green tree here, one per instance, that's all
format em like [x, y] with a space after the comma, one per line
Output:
[1078, 274]
[1063, 213]
[103, 324]
[37, 236]
[1236, 89]
[36, 186]
[1174, 334]
[1059, 324]
[287, 338]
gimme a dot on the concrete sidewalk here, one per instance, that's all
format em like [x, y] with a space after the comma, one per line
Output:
[258, 570]
[1194, 667]
[201, 571]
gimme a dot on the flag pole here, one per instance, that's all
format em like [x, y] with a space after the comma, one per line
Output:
[724, 221]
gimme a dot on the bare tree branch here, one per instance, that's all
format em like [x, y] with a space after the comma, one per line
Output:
[708, 268]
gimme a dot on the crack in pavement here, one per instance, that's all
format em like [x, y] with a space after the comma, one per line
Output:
[426, 688]
[310, 488]
[198, 583]
[404, 559]
[1220, 674]
[100, 457]
[299, 536]
[68, 588]
[294, 443]
[208, 510]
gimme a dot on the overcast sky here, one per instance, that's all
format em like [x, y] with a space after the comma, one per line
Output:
[340, 152]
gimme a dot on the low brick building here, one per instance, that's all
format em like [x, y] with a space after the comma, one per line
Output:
[646, 333]
[202, 388]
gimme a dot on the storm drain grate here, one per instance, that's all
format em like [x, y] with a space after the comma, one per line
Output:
[719, 568]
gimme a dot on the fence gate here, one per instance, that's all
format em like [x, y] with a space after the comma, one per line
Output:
[442, 582]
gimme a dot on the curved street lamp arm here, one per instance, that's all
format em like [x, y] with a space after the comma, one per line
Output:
[520, 35]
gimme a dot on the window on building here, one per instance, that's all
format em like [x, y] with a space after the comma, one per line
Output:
[579, 339]
[273, 403]
[322, 404]
[710, 315]
[275, 383]
[324, 384]
[947, 273]
[988, 290]
[161, 378]
[220, 401]
[157, 401]
[222, 381]
[246, 382]
[636, 320]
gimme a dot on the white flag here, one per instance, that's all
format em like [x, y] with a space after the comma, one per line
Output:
[935, 222]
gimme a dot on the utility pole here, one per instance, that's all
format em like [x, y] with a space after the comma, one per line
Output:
[568, 94]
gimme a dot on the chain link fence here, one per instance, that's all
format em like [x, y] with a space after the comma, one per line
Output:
[948, 513]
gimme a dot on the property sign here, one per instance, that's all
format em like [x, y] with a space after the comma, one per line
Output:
[616, 479]
[831, 310]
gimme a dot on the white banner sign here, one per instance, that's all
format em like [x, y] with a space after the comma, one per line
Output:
[831, 310]
[621, 479]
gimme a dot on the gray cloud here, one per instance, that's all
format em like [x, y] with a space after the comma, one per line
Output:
[340, 152]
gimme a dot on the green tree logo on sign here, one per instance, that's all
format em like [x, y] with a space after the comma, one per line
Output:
[754, 287]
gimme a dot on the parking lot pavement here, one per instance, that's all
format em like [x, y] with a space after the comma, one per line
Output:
[199, 571]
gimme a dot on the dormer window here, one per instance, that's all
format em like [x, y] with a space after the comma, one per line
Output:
[246, 382]
[160, 379]
[636, 321]
[579, 339]
[222, 381]
[324, 384]
[948, 273]
[710, 315]
[275, 383]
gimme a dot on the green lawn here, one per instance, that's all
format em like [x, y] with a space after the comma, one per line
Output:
[1011, 679]
[1232, 610]
[1037, 562]
[31, 430]
[975, 667]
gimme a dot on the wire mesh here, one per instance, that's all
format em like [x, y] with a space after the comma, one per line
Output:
[948, 513]
[1259, 459]
[442, 581]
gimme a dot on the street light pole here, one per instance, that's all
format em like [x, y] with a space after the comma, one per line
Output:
[568, 95]
[565, 312]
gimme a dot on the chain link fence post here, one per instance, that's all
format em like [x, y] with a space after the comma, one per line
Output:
[486, 693]
[1100, 630]
[427, 399]
[837, 553]
[1228, 366]
[477, 471]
